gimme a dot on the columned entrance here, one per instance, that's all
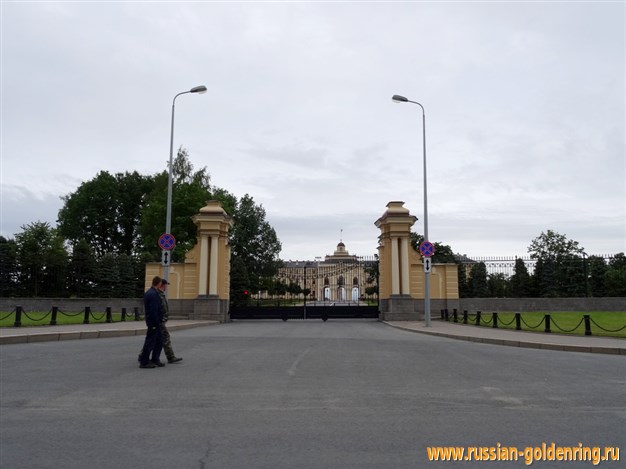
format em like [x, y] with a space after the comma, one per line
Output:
[389, 286]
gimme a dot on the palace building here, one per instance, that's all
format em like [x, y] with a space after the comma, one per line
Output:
[340, 278]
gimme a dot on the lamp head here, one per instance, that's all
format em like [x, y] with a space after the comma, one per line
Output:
[198, 89]
[399, 99]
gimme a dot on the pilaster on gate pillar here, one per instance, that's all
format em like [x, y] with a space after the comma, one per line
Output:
[394, 285]
[213, 225]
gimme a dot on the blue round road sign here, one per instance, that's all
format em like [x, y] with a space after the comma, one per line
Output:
[427, 249]
[167, 242]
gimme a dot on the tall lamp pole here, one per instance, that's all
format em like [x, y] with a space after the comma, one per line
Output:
[402, 99]
[168, 218]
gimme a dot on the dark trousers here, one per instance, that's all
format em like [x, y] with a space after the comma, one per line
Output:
[167, 342]
[152, 346]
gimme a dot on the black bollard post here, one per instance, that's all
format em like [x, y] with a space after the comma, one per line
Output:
[478, 313]
[53, 320]
[518, 322]
[18, 316]
[464, 316]
[455, 313]
[495, 320]
[136, 313]
[87, 313]
[123, 314]
[446, 314]
[109, 314]
[547, 329]
[587, 319]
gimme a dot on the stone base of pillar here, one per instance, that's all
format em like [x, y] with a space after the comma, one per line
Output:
[210, 308]
[400, 308]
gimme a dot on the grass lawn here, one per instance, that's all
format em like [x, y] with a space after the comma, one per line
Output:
[561, 322]
[33, 319]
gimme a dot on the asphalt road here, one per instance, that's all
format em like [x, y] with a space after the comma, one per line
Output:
[299, 394]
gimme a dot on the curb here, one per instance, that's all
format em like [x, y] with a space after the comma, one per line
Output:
[519, 343]
[35, 337]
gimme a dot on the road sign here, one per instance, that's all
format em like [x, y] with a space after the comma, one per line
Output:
[167, 242]
[427, 249]
[428, 265]
[165, 258]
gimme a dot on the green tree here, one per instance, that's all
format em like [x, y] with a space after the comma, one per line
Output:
[478, 281]
[464, 289]
[597, 269]
[560, 270]
[498, 285]
[239, 283]
[521, 282]
[8, 267]
[42, 261]
[372, 272]
[106, 211]
[615, 276]
[82, 270]
[253, 240]
[191, 190]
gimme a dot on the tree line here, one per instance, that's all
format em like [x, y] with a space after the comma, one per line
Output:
[108, 229]
[561, 269]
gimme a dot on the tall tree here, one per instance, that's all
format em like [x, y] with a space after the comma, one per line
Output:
[254, 241]
[478, 281]
[615, 276]
[107, 212]
[42, 259]
[560, 270]
[521, 286]
[82, 270]
[597, 269]
[190, 192]
[8, 267]
[498, 285]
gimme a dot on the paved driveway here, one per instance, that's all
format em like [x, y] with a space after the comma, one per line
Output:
[300, 394]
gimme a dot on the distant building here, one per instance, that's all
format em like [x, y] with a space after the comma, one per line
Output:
[340, 277]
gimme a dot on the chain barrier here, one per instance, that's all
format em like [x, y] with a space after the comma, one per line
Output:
[478, 319]
[36, 320]
[8, 315]
[607, 330]
[72, 315]
[500, 321]
[533, 327]
[568, 331]
[486, 322]
[54, 311]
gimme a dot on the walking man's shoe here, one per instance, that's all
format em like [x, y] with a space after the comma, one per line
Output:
[174, 360]
[159, 363]
[147, 365]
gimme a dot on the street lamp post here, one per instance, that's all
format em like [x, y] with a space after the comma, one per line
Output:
[168, 218]
[402, 99]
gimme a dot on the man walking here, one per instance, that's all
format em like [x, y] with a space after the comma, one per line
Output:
[165, 334]
[153, 311]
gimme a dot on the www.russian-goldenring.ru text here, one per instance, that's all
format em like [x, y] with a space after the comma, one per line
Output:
[530, 454]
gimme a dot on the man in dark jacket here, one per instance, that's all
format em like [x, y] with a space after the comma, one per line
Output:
[153, 311]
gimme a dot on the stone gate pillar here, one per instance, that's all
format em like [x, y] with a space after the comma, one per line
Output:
[213, 263]
[394, 284]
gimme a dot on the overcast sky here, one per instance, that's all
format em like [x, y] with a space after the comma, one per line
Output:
[524, 105]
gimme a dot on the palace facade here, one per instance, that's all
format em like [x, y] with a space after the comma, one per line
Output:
[337, 278]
